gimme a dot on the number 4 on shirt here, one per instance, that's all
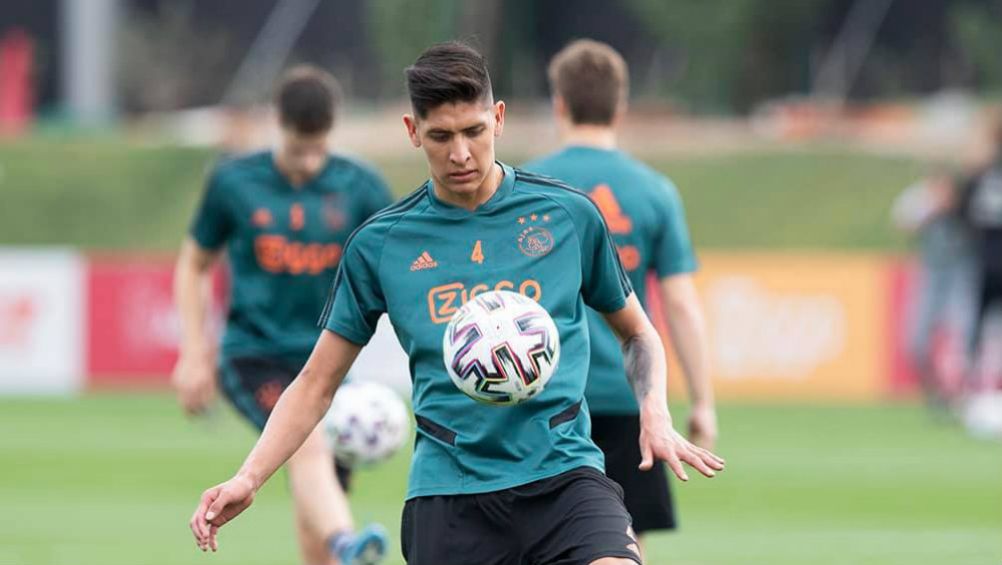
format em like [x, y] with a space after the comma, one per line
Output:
[478, 253]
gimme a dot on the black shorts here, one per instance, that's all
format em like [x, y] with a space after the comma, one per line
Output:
[647, 493]
[253, 385]
[571, 519]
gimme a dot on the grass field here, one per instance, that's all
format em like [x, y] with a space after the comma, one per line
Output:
[105, 194]
[112, 480]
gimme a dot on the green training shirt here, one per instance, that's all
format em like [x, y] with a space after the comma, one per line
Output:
[421, 259]
[283, 245]
[647, 222]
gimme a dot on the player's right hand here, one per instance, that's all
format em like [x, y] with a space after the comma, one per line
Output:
[194, 380]
[219, 505]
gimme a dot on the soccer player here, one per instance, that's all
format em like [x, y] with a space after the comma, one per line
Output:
[981, 208]
[589, 83]
[929, 210]
[283, 218]
[488, 484]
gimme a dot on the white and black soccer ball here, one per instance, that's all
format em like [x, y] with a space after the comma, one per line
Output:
[501, 348]
[367, 423]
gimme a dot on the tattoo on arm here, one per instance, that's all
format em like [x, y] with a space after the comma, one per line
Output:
[638, 357]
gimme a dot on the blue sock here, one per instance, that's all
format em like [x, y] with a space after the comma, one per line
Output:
[337, 543]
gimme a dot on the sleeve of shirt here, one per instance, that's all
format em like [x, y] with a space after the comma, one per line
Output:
[356, 300]
[213, 222]
[672, 251]
[605, 285]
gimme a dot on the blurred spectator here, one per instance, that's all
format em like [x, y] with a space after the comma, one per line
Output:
[929, 210]
[981, 208]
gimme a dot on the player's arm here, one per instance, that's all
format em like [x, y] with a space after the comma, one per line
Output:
[194, 375]
[687, 328]
[299, 410]
[646, 369]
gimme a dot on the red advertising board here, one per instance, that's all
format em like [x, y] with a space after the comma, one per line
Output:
[902, 378]
[133, 325]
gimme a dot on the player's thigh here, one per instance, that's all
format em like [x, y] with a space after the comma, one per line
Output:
[647, 494]
[575, 519]
[455, 530]
[253, 384]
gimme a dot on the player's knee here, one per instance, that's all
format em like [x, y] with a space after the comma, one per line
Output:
[613, 561]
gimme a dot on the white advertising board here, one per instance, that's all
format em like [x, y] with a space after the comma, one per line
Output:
[41, 321]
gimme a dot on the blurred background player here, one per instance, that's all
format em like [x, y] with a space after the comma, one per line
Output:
[928, 210]
[589, 84]
[981, 208]
[283, 217]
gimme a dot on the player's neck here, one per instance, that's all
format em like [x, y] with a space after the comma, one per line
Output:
[471, 201]
[295, 179]
[587, 135]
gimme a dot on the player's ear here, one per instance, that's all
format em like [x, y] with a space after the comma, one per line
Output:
[498, 118]
[620, 113]
[559, 106]
[410, 122]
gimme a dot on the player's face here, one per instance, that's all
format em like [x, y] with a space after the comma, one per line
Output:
[302, 156]
[458, 140]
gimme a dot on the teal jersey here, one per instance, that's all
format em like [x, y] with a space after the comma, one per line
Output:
[645, 216]
[421, 259]
[283, 245]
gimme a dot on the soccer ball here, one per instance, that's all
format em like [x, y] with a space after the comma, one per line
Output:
[983, 415]
[367, 423]
[501, 348]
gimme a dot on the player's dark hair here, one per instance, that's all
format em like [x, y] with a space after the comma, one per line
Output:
[307, 99]
[592, 78]
[445, 73]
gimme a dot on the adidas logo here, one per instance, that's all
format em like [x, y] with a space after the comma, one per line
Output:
[424, 261]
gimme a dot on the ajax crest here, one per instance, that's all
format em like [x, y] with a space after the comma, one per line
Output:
[535, 241]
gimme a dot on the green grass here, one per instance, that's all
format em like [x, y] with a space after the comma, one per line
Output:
[112, 479]
[107, 194]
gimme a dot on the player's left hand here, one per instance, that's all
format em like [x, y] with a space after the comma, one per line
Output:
[659, 440]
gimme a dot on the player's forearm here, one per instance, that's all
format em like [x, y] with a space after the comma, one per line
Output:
[191, 294]
[645, 368]
[687, 329]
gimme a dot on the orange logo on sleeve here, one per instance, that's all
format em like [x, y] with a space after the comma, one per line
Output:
[629, 256]
[617, 221]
